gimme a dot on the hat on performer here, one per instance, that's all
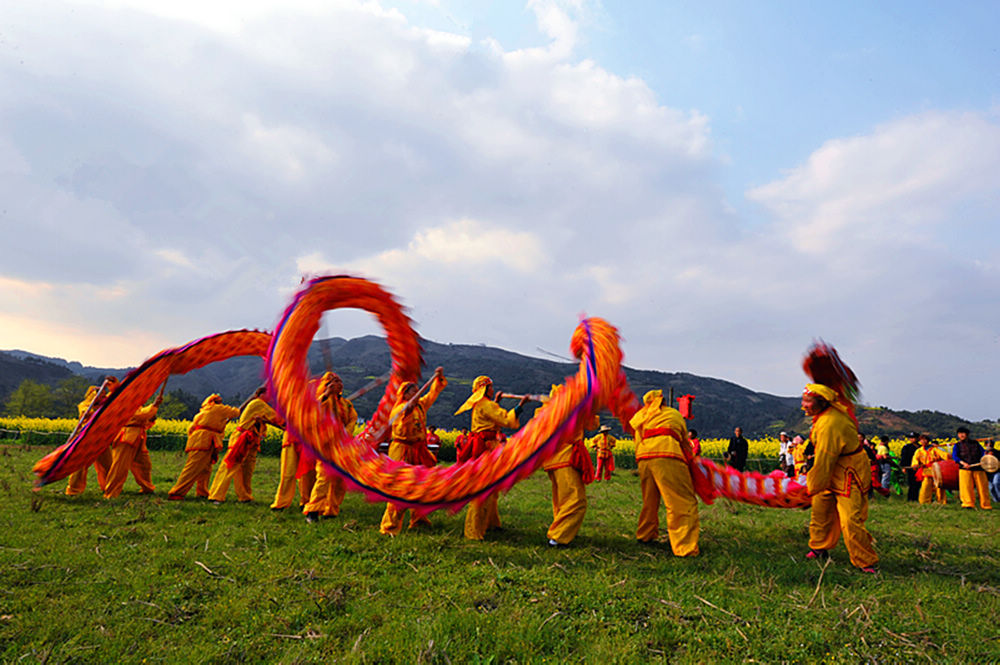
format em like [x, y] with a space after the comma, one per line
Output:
[605, 428]
[210, 400]
[479, 387]
[403, 387]
[326, 380]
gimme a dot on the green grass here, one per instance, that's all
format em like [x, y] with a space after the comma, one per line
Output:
[141, 579]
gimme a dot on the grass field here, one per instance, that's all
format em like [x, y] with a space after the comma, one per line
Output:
[141, 579]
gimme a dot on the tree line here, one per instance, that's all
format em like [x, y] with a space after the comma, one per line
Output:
[33, 399]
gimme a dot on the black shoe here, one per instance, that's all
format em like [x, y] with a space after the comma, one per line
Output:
[818, 555]
[215, 503]
[557, 545]
[312, 518]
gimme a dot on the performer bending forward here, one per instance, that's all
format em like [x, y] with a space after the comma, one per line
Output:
[129, 453]
[241, 458]
[203, 445]
[77, 482]
[409, 438]
[487, 419]
[838, 481]
[662, 451]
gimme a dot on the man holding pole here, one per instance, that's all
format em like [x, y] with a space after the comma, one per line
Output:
[95, 396]
[129, 453]
[408, 422]
[203, 445]
[487, 419]
[328, 491]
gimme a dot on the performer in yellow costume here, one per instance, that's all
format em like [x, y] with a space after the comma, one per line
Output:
[925, 457]
[244, 443]
[409, 433]
[203, 445]
[838, 481]
[487, 419]
[328, 491]
[604, 444]
[129, 453]
[77, 482]
[662, 451]
[570, 471]
[293, 474]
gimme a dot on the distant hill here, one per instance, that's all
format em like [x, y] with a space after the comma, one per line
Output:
[719, 405]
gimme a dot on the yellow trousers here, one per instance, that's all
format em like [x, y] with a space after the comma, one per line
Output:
[327, 493]
[240, 475]
[481, 516]
[670, 480]
[929, 489]
[569, 504]
[392, 521]
[125, 458]
[285, 493]
[78, 479]
[833, 514]
[971, 481]
[197, 471]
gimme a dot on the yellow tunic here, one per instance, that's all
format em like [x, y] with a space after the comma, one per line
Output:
[659, 445]
[205, 432]
[839, 460]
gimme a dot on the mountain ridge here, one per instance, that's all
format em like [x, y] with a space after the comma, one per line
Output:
[719, 405]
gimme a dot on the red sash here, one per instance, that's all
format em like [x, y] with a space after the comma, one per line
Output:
[661, 431]
[580, 460]
[479, 442]
[307, 462]
[240, 447]
[198, 427]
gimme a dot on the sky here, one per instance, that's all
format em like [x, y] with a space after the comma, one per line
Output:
[724, 181]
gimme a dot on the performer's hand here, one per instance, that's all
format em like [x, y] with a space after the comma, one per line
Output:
[965, 465]
[439, 373]
[523, 400]
[498, 396]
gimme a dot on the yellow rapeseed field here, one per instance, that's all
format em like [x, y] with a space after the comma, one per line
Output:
[177, 429]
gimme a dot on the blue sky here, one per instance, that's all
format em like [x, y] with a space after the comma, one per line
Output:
[724, 181]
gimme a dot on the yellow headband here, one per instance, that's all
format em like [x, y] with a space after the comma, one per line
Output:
[818, 389]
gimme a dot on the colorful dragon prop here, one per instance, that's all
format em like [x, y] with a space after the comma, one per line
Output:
[599, 384]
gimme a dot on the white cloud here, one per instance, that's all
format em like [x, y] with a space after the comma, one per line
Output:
[174, 167]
